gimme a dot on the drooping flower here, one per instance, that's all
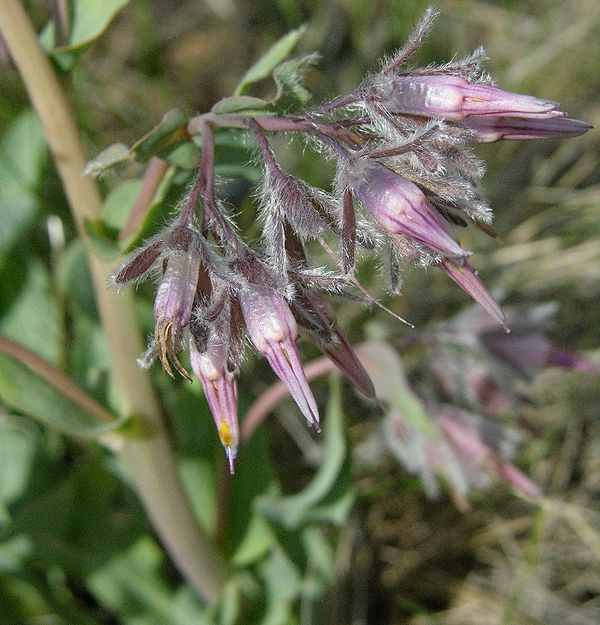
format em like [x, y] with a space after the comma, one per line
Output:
[273, 331]
[179, 250]
[220, 389]
[400, 207]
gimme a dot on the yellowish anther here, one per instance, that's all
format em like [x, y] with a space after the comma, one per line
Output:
[225, 434]
[167, 350]
[161, 335]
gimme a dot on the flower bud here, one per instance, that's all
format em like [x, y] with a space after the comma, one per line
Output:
[490, 129]
[400, 207]
[174, 300]
[452, 97]
[273, 331]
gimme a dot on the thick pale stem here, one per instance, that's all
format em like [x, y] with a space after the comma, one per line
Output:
[149, 457]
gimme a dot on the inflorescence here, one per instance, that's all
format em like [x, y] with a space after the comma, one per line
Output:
[402, 144]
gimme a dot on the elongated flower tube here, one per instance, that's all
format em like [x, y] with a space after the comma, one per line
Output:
[174, 300]
[465, 275]
[273, 331]
[220, 390]
[490, 129]
[452, 97]
[315, 317]
[400, 207]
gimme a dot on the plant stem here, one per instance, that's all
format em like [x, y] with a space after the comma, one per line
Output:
[155, 172]
[57, 379]
[149, 457]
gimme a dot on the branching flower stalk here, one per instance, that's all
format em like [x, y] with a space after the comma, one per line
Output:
[406, 176]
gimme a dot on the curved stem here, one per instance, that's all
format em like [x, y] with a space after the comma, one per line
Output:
[57, 379]
[149, 457]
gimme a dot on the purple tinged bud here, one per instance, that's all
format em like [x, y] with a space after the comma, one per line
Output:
[323, 330]
[490, 129]
[465, 275]
[344, 357]
[273, 331]
[452, 97]
[220, 390]
[400, 207]
[173, 305]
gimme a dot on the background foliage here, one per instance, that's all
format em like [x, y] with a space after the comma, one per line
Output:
[318, 529]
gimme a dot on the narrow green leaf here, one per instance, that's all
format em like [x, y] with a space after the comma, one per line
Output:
[162, 140]
[240, 104]
[89, 19]
[167, 135]
[269, 61]
[26, 392]
[31, 318]
[132, 585]
[22, 152]
[259, 538]
[292, 511]
[319, 554]
[112, 156]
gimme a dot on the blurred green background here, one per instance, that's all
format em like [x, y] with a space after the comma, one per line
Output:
[75, 546]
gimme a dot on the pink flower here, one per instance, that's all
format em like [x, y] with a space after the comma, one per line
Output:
[400, 207]
[273, 331]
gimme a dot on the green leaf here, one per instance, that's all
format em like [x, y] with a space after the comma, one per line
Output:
[269, 61]
[104, 233]
[162, 140]
[89, 19]
[292, 511]
[284, 585]
[385, 369]
[32, 318]
[133, 585]
[198, 477]
[25, 391]
[102, 237]
[161, 206]
[257, 541]
[319, 554]
[167, 135]
[22, 154]
[67, 524]
[18, 442]
[112, 156]
[234, 156]
[240, 104]
[289, 77]
[253, 478]
[75, 279]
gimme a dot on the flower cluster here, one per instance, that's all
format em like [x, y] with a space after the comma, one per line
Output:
[406, 176]
[478, 373]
